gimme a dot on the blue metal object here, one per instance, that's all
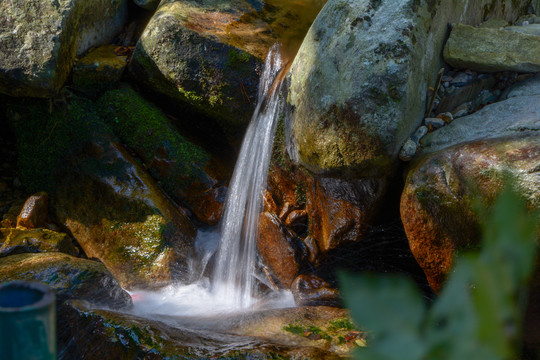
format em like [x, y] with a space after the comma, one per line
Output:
[27, 321]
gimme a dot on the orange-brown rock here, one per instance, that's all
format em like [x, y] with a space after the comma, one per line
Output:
[298, 221]
[285, 211]
[283, 185]
[443, 189]
[311, 290]
[339, 209]
[269, 203]
[313, 250]
[34, 212]
[281, 252]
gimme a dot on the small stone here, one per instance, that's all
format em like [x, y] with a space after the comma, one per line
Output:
[408, 150]
[434, 123]
[287, 208]
[34, 212]
[419, 134]
[462, 110]
[310, 290]
[461, 79]
[446, 116]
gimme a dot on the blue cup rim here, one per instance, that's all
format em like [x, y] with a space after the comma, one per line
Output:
[47, 298]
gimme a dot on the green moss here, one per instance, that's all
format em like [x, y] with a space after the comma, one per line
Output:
[48, 132]
[146, 130]
[237, 58]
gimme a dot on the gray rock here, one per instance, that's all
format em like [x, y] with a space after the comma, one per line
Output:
[358, 83]
[528, 87]
[492, 50]
[434, 123]
[39, 40]
[517, 115]
[408, 150]
[531, 29]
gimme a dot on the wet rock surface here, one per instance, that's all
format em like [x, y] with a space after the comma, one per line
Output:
[128, 336]
[281, 251]
[70, 277]
[34, 212]
[185, 171]
[17, 241]
[310, 290]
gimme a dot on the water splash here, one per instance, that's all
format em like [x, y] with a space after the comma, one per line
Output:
[233, 277]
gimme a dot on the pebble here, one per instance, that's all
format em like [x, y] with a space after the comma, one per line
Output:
[419, 134]
[447, 117]
[408, 150]
[462, 110]
[434, 123]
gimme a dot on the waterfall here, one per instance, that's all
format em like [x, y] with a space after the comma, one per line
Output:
[233, 277]
[231, 287]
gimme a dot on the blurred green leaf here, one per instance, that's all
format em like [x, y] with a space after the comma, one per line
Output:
[479, 311]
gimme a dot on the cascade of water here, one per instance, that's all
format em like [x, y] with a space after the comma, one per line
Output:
[235, 262]
[230, 288]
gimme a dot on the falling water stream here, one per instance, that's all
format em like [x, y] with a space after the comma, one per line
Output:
[232, 284]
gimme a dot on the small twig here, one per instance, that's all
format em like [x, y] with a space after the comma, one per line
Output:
[436, 89]
[244, 92]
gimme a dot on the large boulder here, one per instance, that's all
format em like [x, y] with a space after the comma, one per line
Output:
[492, 50]
[358, 84]
[40, 39]
[442, 189]
[111, 206]
[465, 165]
[208, 54]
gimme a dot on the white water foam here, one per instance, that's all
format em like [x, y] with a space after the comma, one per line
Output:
[231, 287]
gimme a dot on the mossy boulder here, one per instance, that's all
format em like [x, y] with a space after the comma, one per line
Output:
[16, 241]
[208, 54]
[113, 208]
[68, 276]
[184, 170]
[40, 40]
[125, 336]
[358, 84]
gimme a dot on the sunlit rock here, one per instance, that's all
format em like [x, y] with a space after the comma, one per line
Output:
[70, 277]
[34, 212]
[280, 250]
[358, 84]
[208, 54]
[491, 50]
[17, 241]
[40, 39]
